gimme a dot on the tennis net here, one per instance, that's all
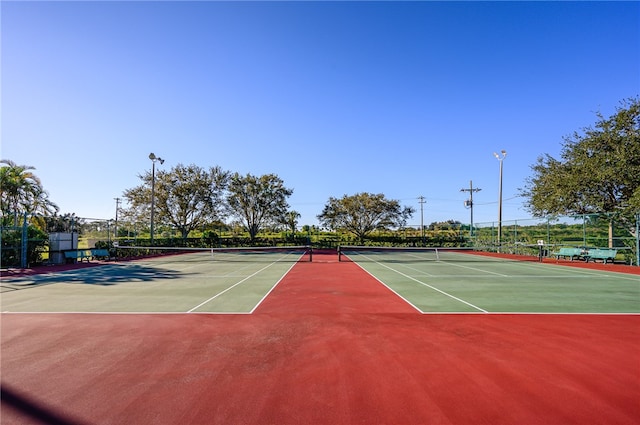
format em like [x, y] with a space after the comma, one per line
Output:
[240, 254]
[385, 254]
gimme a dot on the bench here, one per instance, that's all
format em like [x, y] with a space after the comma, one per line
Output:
[569, 252]
[100, 254]
[87, 254]
[601, 254]
[78, 254]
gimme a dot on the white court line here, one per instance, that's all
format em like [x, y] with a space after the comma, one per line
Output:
[231, 287]
[419, 271]
[517, 276]
[274, 286]
[389, 288]
[245, 279]
[240, 313]
[588, 272]
[429, 286]
[453, 263]
[270, 290]
[571, 272]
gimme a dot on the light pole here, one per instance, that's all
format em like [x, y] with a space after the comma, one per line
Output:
[500, 158]
[115, 233]
[153, 159]
[469, 203]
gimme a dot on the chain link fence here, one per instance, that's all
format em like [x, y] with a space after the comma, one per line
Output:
[583, 231]
[25, 244]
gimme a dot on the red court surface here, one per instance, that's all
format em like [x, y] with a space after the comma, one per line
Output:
[330, 345]
[328, 287]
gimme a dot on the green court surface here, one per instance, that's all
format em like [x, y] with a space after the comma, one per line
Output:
[186, 283]
[466, 283]
[199, 283]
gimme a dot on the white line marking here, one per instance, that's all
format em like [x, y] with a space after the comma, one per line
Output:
[389, 288]
[419, 271]
[245, 279]
[231, 287]
[474, 269]
[240, 313]
[272, 288]
[429, 286]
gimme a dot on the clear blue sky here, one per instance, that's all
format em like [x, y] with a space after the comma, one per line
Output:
[336, 98]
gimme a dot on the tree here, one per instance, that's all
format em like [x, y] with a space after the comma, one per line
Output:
[445, 225]
[364, 212]
[258, 201]
[598, 171]
[291, 221]
[185, 197]
[21, 191]
[63, 223]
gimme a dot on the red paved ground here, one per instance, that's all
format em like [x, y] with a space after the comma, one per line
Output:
[328, 287]
[315, 353]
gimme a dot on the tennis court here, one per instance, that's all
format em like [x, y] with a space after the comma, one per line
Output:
[372, 338]
[431, 281]
[188, 281]
[449, 281]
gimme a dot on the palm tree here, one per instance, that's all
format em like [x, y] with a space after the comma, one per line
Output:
[21, 191]
[291, 221]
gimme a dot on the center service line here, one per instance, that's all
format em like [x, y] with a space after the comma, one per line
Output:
[429, 286]
[229, 288]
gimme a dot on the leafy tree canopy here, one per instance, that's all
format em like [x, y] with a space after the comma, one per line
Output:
[598, 170]
[185, 197]
[290, 220]
[364, 212]
[21, 191]
[258, 201]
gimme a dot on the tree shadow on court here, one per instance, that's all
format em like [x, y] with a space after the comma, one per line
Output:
[106, 275]
[33, 410]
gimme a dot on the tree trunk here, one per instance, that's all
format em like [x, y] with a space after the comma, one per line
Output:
[610, 233]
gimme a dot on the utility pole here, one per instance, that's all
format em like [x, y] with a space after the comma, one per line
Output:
[469, 203]
[422, 201]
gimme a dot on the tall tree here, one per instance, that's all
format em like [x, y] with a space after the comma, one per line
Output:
[258, 201]
[291, 221]
[363, 213]
[21, 191]
[185, 197]
[598, 170]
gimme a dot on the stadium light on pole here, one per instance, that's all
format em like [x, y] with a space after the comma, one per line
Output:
[153, 159]
[115, 232]
[500, 158]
